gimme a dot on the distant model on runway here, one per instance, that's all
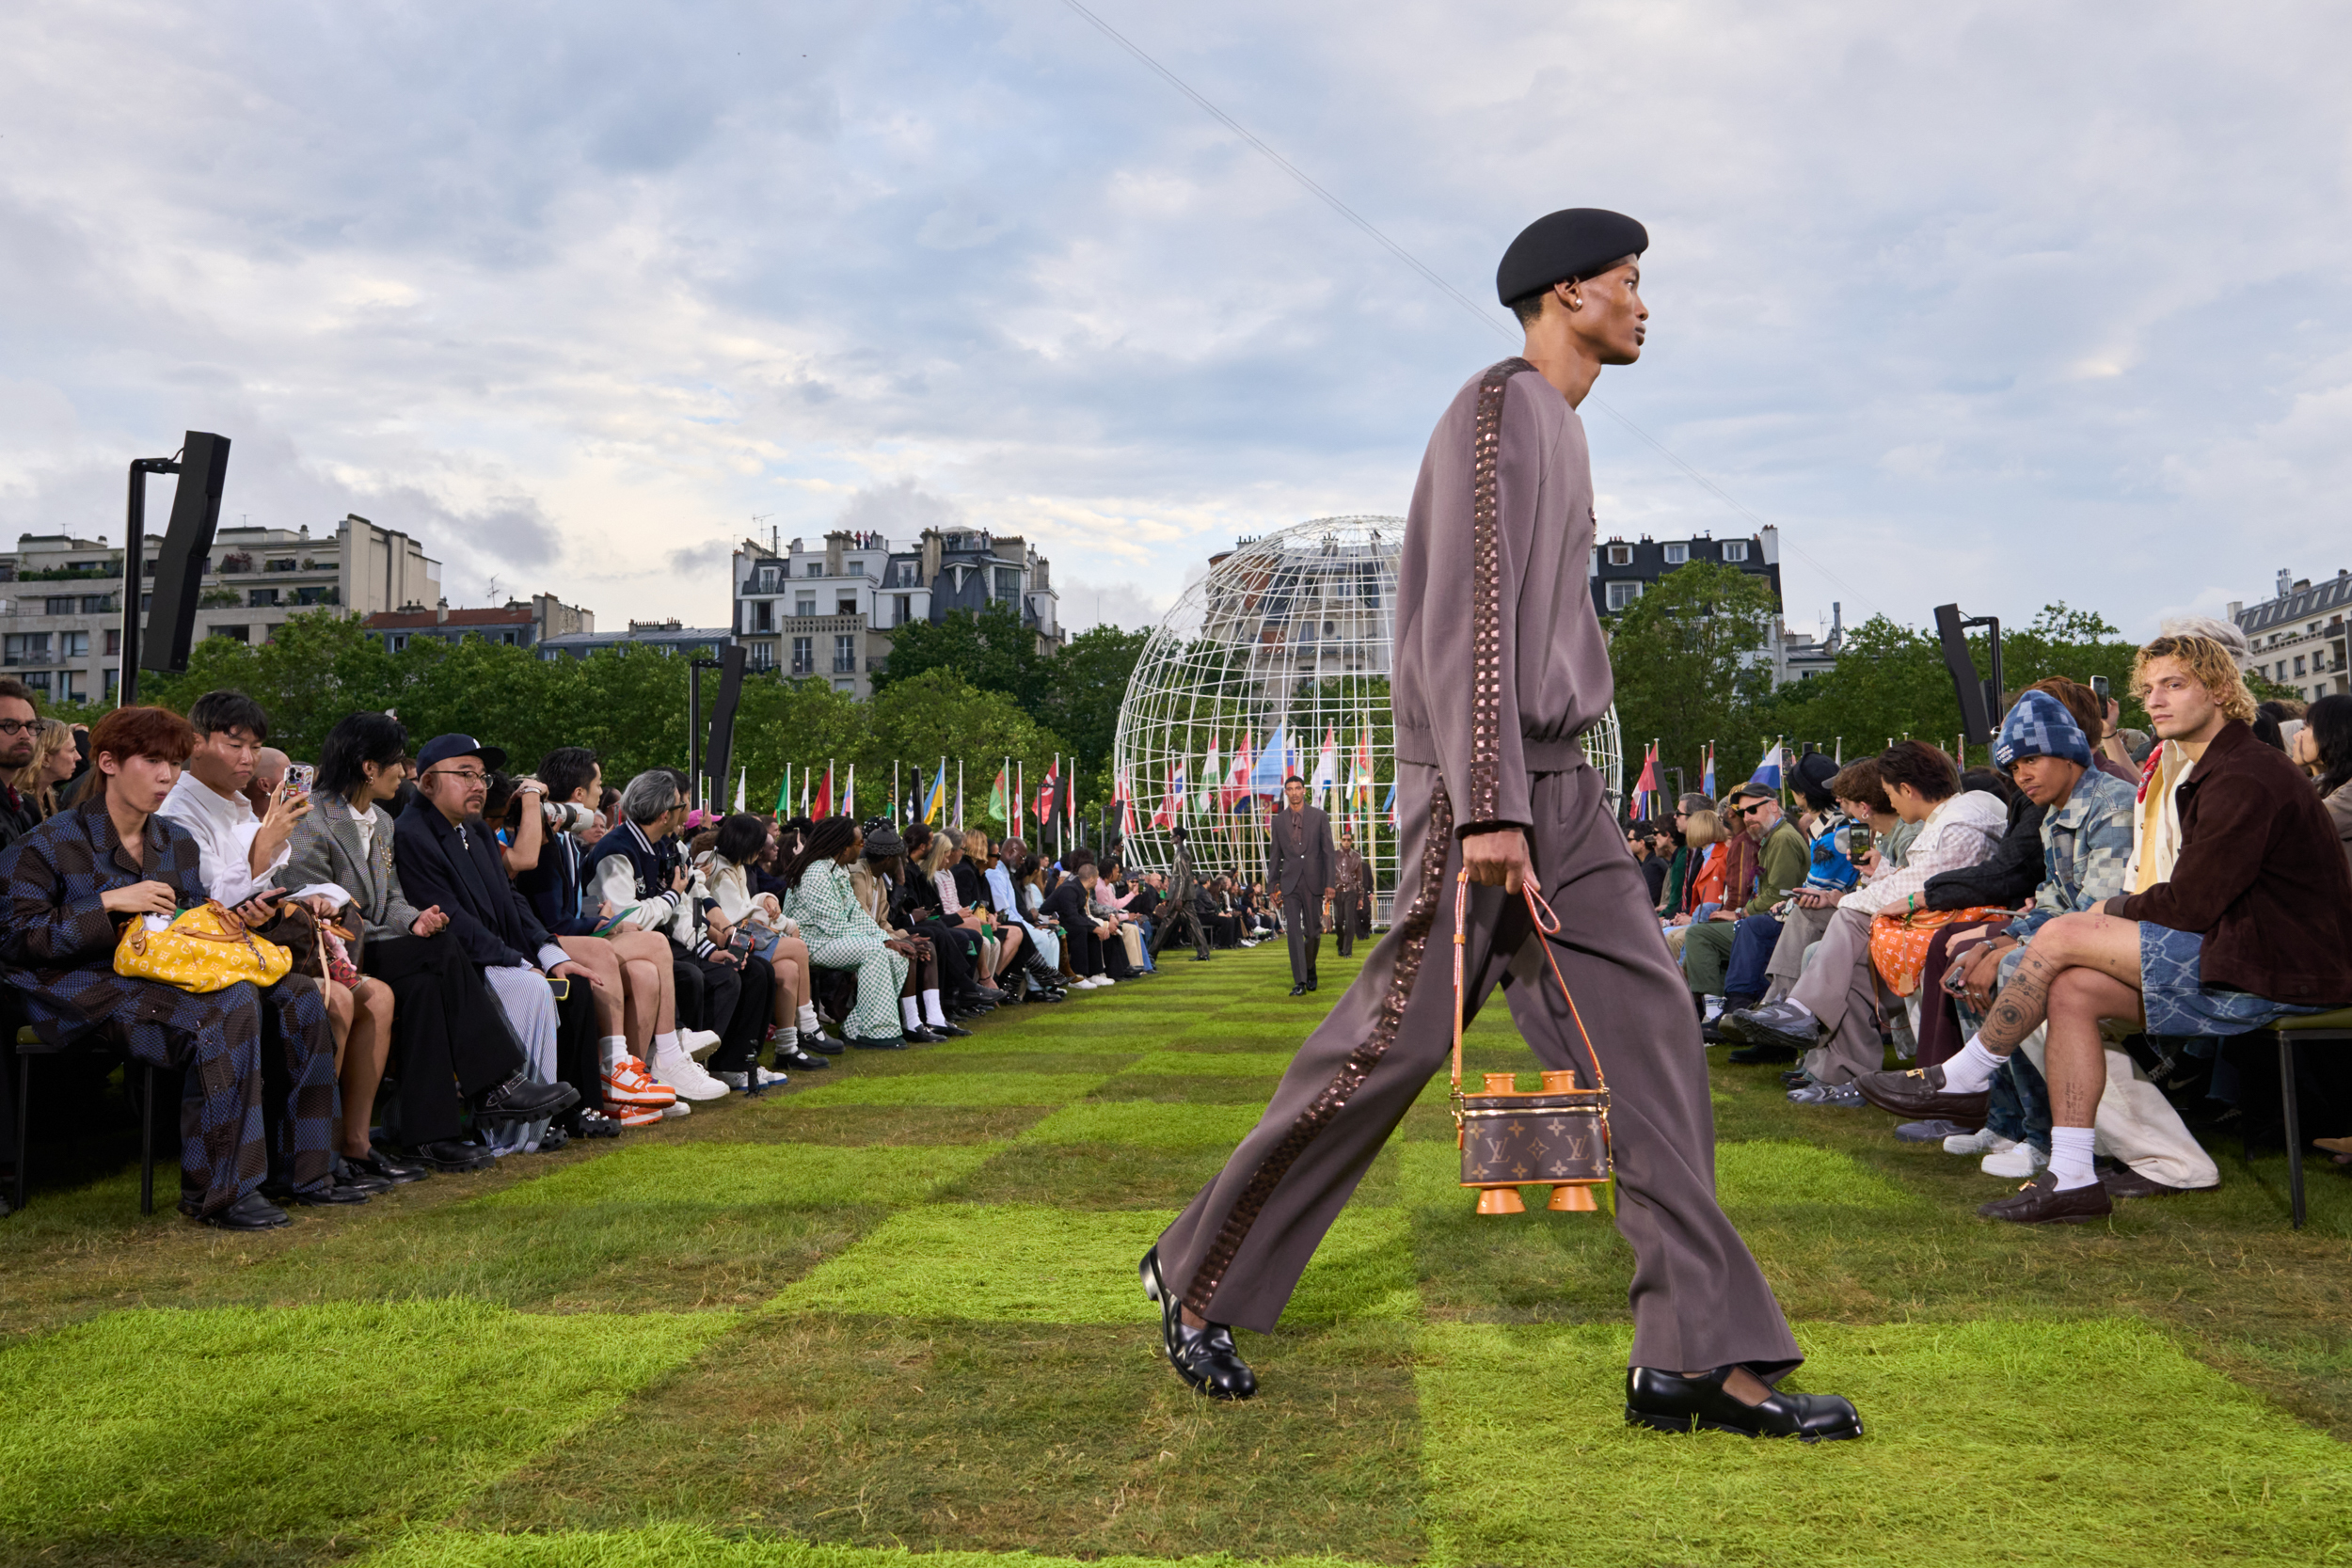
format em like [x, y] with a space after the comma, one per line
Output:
[1301, 866]
[1500, 666]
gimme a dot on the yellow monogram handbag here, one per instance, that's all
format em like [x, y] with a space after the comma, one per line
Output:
[206, 949]
[1559, 1135]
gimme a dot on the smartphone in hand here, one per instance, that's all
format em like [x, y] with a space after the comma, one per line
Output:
[299, 777]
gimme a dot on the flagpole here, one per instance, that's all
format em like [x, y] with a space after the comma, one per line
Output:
[959, 795]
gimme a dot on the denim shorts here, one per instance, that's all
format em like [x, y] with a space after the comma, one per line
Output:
[2177, 1003]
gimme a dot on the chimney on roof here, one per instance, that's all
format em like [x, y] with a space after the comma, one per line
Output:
[2286, 582]
[441, 613]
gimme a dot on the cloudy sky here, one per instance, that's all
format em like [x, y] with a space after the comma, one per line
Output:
[1997, 302]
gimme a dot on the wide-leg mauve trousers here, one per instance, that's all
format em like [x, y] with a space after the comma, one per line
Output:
[1698, 1298]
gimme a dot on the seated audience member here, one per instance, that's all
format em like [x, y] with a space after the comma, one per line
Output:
[1747, 979]
[1144, 897]
[447, 855]
[875, 883]
[2096, 715]
[1038, 957]
[971, 873]
[1842, 854]
[633, 981]
[2238, 913]
[2085, 834]
[841, 935]
[1118, 945]
[112, 858]
[55, 758]
[940, 864]
[240, 854]
[1832, 1012]
[446, 1060]
[1071, 903]
[2323, 748]
[637, 868]
[956, 940]
[726, 872]
[20, 739]
[1216, 913]
[1782, 859]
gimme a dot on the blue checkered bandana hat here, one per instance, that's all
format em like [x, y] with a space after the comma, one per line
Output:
[2039, 726]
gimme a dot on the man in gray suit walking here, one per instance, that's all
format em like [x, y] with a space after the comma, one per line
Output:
[1301, 870]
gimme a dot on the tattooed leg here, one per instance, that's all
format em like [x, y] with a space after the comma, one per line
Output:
[2076, 1059]
[2108, 947]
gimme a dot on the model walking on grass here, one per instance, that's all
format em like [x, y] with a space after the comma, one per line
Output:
[1500, 666]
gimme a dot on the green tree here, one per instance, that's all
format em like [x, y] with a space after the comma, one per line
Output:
[990, 650]
[1682, 655]
[937, 714]
[1087, 681]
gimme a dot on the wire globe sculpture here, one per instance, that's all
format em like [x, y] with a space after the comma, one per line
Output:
[1277, 663]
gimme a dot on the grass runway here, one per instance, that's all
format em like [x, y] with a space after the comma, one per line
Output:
[893, 1309]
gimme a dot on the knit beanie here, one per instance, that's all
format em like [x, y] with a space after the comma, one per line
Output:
[2039, 726]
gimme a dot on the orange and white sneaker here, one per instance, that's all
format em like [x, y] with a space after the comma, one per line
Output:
[626, 1082]
[632, 1116]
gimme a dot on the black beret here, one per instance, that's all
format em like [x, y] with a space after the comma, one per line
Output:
[1575, 242]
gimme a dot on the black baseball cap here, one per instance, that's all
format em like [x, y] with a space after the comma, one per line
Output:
[441, 748]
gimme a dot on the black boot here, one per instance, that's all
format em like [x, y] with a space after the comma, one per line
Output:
[1204, 1357]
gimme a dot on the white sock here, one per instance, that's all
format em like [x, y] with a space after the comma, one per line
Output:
[2070, 1157]
[907, 1011]
[785, 1038]
[665, 1044]
[808, 1017]
[1972, 1070]
[933, 1013]
[610, 1050]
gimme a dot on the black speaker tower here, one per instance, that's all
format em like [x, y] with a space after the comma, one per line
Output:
[203, 469]
[722, 721]
[1979, 700]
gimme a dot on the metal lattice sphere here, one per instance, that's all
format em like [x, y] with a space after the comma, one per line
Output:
[1284, 643]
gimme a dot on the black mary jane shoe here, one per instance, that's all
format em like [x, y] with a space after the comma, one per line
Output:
[823, 1042]
[920, 1034]
[387, 1168]
[1669, 1401]
[1205, 1358]
[792, 1056]
[883, 1043]
[948, 1031]
[250, 1212]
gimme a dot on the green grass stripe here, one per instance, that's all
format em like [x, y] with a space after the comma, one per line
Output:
[1777, 1172]
[2093, 1443]
[1145, 1124]
[1214, 1064]
[304, 1421]
[690, 1547]
[802, 1175]
[1030, 1263]
[953, 1088]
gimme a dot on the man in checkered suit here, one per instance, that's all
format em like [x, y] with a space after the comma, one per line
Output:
[72, 884]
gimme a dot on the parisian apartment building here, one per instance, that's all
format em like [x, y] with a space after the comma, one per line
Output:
[2298, 634]
[61, 595]
[827, 610]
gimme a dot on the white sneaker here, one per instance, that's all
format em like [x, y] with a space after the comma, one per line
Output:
[743, 1080]
[1105, 980]
[2017, 1160]
[684, 1074]
[1982, 1141]
[698, 1043]
[1715, 1009]
[674, 1108]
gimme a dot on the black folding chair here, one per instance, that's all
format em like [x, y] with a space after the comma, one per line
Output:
[2333, 1028]
[28, 1045]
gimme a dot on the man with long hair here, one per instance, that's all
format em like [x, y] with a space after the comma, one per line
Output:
[1500, 666]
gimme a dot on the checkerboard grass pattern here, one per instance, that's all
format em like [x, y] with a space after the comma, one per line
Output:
[893, 1307]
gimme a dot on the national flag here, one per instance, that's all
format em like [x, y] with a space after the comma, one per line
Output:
[783, 792]
[996, 797]
[1045, 792]
[1211, 775]
[1646, 786]
[1326, 768]
[1237, 780]
[824, 797]
[1706, 779]
[1360, 787]
[849, 793]
[1272, 767]
[1389, 805]
[1172, 803]
[1126, 805]
[742, 782]
[1767, 771]
[936, 801]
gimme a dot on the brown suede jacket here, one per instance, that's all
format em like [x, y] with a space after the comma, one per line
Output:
[2261, 874]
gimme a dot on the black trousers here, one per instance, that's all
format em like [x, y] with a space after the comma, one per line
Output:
[959, 950]
[1174, 920]
[450, 1040]
[1083, 949]
[746, 1028]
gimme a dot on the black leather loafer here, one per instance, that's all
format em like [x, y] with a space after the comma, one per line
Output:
[1917, 1093]
[949, 1031]
[250, 1212]
[1668, 1402]
[336, 1193]
[1299, 989]
[453, 1157]
[1205, 1358]
[386, 1167]
[2043, 1201]
[347, 1174]
[520, 1100]
[886, 1042]
[791, 1057]
[2129, 1183]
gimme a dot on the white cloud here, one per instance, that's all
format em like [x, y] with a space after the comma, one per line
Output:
[2014, 303]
